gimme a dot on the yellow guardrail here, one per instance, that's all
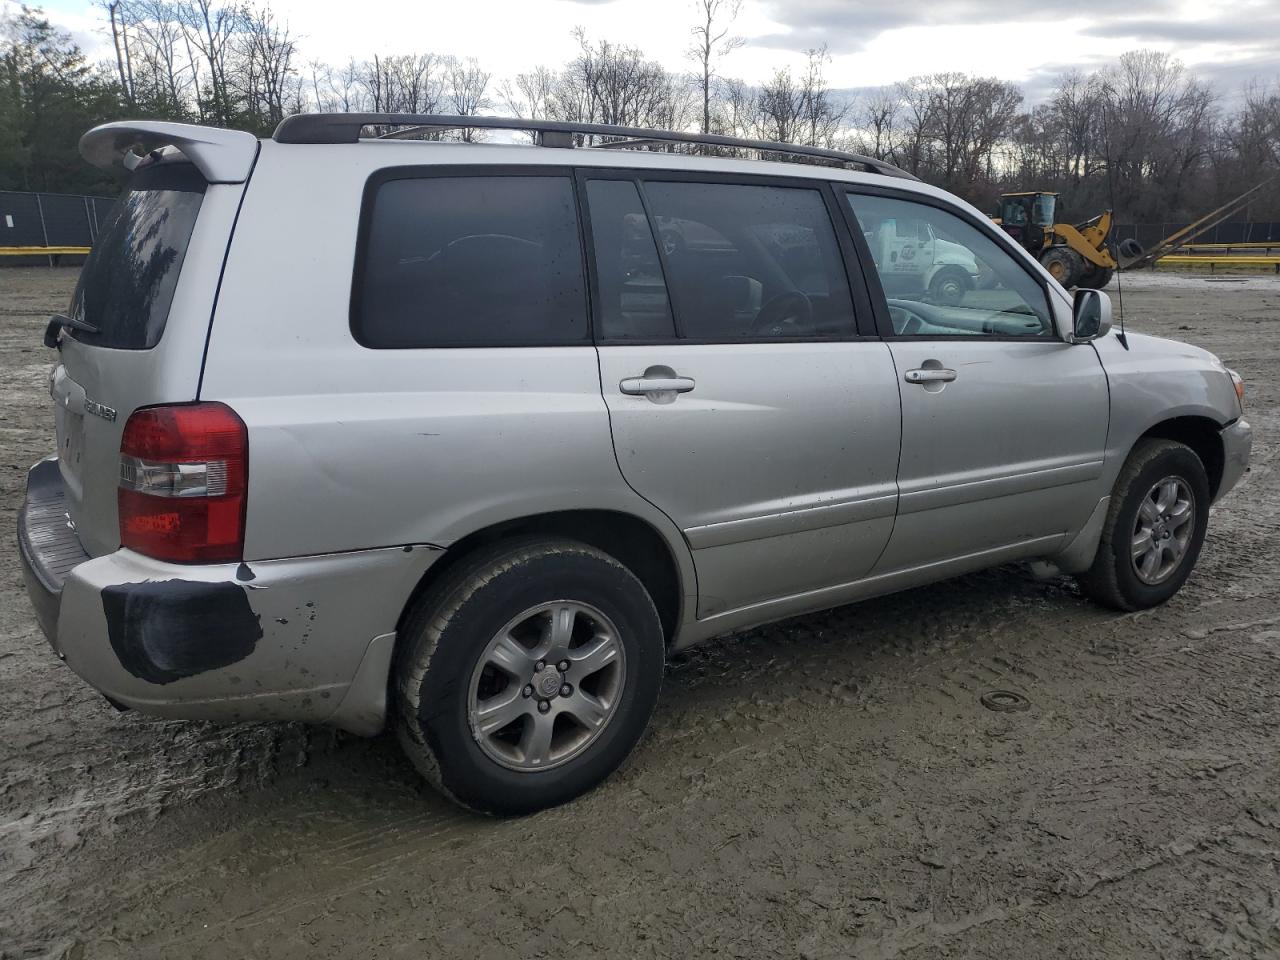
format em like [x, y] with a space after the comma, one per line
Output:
[40, 251]
[1213, 263]
[1243, 245]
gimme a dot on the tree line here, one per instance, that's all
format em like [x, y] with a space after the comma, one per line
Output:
[1143, 131]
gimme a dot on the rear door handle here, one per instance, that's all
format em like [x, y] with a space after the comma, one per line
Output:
[929, 375]
[645, 386]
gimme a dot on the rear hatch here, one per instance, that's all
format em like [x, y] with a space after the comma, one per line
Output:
[147, 289]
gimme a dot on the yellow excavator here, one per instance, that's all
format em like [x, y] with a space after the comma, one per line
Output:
[1076, 256]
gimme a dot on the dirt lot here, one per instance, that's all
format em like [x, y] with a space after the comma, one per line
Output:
[825, 787]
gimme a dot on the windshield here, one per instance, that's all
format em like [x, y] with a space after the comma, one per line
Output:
[129, 277]
[1042, 212]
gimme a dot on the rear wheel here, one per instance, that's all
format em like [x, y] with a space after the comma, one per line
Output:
[1064, 264]
[527, 675]
[1154, 529]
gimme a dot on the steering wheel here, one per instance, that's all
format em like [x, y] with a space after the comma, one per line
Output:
[783, 315]
[905, 323]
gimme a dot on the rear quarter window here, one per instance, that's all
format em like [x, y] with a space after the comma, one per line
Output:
[470, 261]
[128, 280]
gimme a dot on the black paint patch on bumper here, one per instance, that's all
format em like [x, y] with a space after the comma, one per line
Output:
[166, 630]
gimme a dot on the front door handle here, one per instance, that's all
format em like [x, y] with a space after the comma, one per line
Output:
[636, 386]
[929, 375]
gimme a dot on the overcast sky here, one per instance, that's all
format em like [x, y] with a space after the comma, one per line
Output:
[872, 43]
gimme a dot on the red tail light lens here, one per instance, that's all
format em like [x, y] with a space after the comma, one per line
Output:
[183, 474]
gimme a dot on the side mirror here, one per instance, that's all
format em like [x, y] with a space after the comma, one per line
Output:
[1090, 316]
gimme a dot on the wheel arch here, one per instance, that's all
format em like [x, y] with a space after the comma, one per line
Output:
[1203, 435]
[631, 540]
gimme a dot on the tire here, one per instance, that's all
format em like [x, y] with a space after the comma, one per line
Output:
[1114, 579]
[1096, 278]
[1130, 248]
[1064, 264]
[445, 673]
[949, 285]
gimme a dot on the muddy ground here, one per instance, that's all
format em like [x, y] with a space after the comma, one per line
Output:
[825, 787]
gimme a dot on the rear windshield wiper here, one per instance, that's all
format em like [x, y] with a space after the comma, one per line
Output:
[60, 320]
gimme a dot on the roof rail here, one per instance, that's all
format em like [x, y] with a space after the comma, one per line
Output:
[346, 127]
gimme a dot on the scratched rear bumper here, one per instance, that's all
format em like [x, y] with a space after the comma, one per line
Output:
[306, 638]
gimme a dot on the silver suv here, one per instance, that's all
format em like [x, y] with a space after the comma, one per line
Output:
[467, 438]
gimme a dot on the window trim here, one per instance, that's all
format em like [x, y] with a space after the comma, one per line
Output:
[880, 301]
[859, 296]
[428, 172]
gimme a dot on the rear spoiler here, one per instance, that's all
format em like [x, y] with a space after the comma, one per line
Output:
[222, 156]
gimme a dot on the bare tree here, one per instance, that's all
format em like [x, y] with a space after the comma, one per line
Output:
[467, 90]
[877, 122]
[265, 78]
[617, 84]
[209, 29]
[119, 42]
[822, 114]
[712, 41]
[337, 88]
[801, 109]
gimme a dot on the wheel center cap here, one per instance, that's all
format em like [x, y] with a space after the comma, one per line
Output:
[548, 684]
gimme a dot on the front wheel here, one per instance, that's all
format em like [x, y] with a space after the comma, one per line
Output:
[949, 285]
[1063, 264]
[1154, 529]
[527, 675]
[1096, 278]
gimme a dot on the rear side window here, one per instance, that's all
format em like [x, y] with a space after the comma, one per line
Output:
[747, 262]
[128, 280]
[470, 261]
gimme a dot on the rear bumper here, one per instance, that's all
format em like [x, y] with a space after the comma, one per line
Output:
[1237, 443]
[307, 638]
[47, 544]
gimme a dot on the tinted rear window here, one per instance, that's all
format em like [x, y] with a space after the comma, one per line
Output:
[127, 282]
[471, 261]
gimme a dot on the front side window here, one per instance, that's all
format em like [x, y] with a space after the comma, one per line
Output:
[471, 261]
[944, 277]
[747, 262]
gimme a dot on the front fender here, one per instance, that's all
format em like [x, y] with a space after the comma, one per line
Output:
[1157, 380]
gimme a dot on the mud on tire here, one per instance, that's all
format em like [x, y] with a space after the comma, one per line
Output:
[447, 634]
[1113, 579]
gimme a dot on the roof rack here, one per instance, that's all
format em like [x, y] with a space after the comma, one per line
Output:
[346, 127]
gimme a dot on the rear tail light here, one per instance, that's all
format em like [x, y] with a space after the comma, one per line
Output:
[183, 474]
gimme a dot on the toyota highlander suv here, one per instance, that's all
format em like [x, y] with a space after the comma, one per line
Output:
[466, 439]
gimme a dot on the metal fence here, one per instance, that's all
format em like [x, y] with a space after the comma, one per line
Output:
[49, 220]
[1149, 234]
